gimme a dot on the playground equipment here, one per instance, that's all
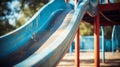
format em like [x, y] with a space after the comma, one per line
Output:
[46, 37]
[109, 16]
[115, 38]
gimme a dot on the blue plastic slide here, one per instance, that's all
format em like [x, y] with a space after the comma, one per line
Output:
[45, 38]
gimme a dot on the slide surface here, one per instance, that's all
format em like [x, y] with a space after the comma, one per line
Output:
[44, 39]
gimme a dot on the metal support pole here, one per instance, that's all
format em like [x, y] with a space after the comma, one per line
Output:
[77, 48]
[107, 1]
[103, 45]
[77, 43]
[96, 40]
[66, 0]
[70, 50]
[76, 2]
[113, 40]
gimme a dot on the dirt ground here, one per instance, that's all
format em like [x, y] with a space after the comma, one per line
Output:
[87, 60]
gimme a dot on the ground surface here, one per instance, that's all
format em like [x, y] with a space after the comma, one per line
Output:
[87, 60]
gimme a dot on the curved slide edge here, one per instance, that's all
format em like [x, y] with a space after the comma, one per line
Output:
[19, 44]
[49, 54]
[36, 33]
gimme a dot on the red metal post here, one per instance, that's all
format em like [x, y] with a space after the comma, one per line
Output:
[66, 0]
[76, 1]
[77, 48]
[96, 40]
[107, 2]
[77, 43]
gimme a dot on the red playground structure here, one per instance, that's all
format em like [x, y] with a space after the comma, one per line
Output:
[108, 15]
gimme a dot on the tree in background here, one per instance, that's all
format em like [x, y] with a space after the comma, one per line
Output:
[87, 29]
[14, 13]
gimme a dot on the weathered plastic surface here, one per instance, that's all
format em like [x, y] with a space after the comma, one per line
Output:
[46, 37]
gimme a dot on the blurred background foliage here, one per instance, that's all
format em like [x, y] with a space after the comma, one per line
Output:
[86, 29]
[14, 13]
